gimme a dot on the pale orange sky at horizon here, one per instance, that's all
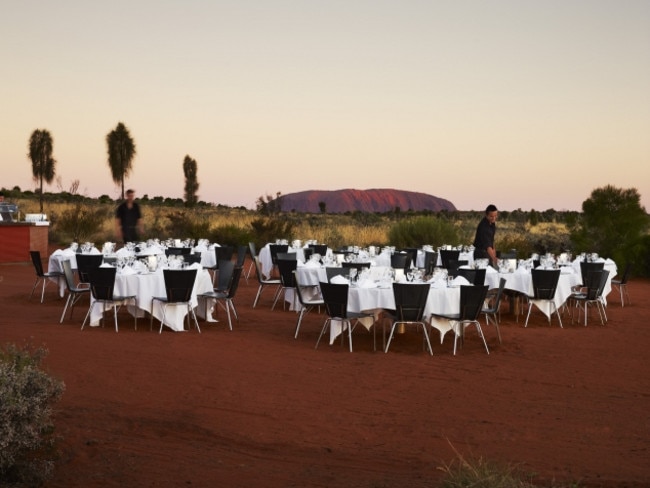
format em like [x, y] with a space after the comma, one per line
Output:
[524, 104]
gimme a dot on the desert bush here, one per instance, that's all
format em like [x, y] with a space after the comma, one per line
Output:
[230, 235]
[422, 230]
[26, 432]
[479, 473]
[82, 221]
[268, 229]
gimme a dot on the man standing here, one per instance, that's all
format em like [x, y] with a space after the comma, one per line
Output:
[484, 240]
[128, 219]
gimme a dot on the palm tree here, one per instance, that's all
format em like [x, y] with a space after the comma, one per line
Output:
[191, 181]
[121, 151]
[40, 152]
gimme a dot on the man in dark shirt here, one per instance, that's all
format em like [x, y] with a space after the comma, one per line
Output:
[484, 240]
[128, 219]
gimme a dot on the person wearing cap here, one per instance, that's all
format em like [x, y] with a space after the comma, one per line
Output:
[484, 239]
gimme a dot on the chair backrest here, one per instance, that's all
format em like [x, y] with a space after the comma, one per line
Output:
[299, 287]
[241, 255]
[545, 283]
[68, 273]
[430, 261]
[357, 266]
[412, 253]
[36, 261]
[86, 262]
[258, 269]
[234, 283]
[223, 253]
[177, 251]
[454, 264]
[603, 282]
[319, 249]
[448, 254]
[192, 258]
[497, 299]
[586, 268]
[252, 248]
[179, 284]
[410, 300]
[335, 297]
[626, 274]
[274, 249]
[511, 254]
[474, 276]
[286, 268]
[399, 261]
[102, 282]
[592, 282]
[308, 252]
[224, 276]
[332, 271]
[471, 301]
[288, 256]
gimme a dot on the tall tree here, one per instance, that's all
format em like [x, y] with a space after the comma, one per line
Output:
[121, 151]
[43, 164]
[191, 181]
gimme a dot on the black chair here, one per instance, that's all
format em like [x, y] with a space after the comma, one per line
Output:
[252, 248]
[241, 256]
[446, 255]
[221, 253]
[621, 284]
[291, 256]
[224, 277]
[75, 292]
[471, 304]
[492, 310]
[412, 253]
[226, 298]
[274, 249]
[286, 267]
[194, 258]
[400, 260]
[264, 283]
[410, 300]
[454, 264]
[102, 286]
[319, 249]
[179, 284]
[177, 251]
[430, 261]
[357, 266]
[585, 269]
[42, 276]
[592, 295]
[86, 263]
[335, 297]
[308, 252]
[544, 287]
[307, 304]
[474, 276]
[332, 271]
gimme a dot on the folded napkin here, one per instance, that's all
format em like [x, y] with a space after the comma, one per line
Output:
[490, 270]
[105, 265]
[460, 280]
[340, 280]
[94, 250]
[465, 266]
[521, 270]
[439, 284]
[195, 266]
[122, 253]
[312, 264]
[127, 270]
[140, 267]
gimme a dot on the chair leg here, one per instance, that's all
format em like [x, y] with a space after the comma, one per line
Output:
[65, 309]
[43, 292]
[322, 331]
[115, 315]
[298, 322]
[349, 331]
[257, 297]
[480, 333]
[530, 306]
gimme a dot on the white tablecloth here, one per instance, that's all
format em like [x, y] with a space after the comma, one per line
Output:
[146, 286]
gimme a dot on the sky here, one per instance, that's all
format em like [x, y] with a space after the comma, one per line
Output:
[526, 104]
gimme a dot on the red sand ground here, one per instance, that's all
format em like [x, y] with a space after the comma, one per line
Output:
[254, 407]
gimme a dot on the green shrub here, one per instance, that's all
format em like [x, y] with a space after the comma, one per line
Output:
[230, 235]
[26, 432]
[422, 230]
[80, 222]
